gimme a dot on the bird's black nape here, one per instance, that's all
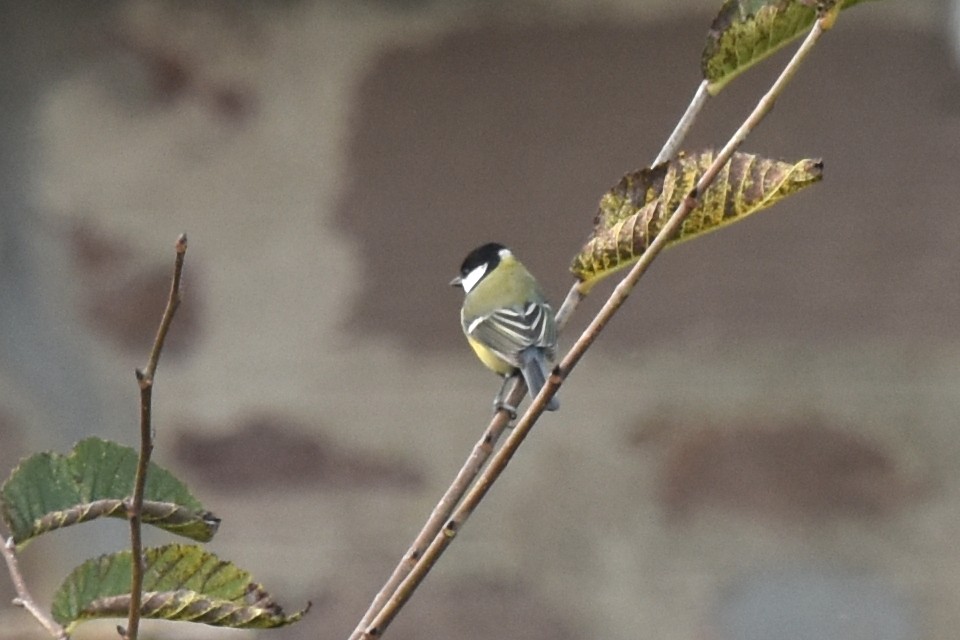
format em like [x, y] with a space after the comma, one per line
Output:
[488, 254]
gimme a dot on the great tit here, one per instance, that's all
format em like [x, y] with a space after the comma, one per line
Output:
[507, 319]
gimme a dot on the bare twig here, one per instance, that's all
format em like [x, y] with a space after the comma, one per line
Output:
[135, 505]
[574, 297]
[620, 294]
[24, 599]
[672, 145]
[146, 374]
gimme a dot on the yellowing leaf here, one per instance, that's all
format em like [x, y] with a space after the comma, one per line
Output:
[747, 31]
[633, 212]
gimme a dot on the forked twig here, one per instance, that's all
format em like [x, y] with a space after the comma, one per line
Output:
[24, 599]
[376, 626]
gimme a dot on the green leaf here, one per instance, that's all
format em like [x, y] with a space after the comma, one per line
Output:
[49, 491]
[633, 212]
[181, 582]
[748, 31]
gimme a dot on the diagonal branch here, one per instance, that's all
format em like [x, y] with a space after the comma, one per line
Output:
[465, 477]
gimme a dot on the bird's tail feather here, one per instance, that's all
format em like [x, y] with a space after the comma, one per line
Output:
[535, 374]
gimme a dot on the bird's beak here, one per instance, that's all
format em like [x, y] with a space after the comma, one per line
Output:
[457, 282]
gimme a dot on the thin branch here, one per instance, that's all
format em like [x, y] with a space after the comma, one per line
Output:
[135, 505]
[672, 145]
[574, 297]
[24, 599]
[172, 303]
[465, 477]
[620, 294]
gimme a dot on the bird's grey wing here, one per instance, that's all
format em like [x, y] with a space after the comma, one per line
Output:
[511, 330]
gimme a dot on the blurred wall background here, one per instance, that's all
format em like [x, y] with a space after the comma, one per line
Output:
[763, 444]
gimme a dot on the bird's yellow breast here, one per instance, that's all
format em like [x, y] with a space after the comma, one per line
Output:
[490, 359]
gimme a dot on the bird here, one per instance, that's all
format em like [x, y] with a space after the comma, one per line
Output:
[507, 319]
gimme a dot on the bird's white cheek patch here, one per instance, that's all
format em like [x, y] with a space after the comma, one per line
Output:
[471, 279]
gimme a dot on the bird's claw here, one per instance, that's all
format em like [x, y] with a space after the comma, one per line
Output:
[499, 405]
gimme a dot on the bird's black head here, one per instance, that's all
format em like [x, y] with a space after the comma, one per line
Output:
[488, 254]
[478, 263]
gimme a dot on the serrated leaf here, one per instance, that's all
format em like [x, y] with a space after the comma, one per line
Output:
[633, 212]
[49, 491]
[748, 31]
[181, 582]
